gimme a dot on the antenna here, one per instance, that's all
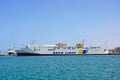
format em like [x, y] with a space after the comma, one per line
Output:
[83, 43]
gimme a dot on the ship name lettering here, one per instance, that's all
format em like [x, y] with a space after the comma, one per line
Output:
[64, 52]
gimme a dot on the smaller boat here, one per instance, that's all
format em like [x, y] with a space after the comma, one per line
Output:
[11, 52]
[1, 54]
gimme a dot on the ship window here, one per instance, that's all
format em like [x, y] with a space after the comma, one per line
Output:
[64, 47]
[73, 47]
[58, 48]
[50, 49]
[34, 49]
[69, 48]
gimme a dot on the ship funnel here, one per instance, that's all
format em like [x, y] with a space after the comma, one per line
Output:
[79, 45]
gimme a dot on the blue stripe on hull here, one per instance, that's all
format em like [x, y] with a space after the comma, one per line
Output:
[33, 54]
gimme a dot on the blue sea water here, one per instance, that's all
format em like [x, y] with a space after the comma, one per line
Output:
[86, 67]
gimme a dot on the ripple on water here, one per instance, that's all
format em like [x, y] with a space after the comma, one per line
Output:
[92, 67]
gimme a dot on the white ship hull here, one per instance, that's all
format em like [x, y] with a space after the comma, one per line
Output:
[97, 50]
[47, 51]
[32, 50]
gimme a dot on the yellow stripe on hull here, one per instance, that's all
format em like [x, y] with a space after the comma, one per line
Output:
[80, 52]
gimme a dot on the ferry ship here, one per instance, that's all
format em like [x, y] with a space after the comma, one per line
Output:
[59, 49]
[95, 50]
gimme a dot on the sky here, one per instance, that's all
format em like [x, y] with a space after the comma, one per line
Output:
[97, 22]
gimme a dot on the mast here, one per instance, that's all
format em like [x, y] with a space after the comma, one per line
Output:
[83, 43]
